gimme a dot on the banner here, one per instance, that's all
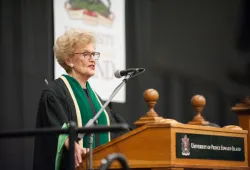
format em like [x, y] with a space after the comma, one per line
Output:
[106, 19]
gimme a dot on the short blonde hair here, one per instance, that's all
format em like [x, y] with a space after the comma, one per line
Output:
[67, 44]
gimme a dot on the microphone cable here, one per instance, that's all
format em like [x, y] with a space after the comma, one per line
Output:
[106, 162]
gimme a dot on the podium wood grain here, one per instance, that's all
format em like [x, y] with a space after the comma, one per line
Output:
[153, 146]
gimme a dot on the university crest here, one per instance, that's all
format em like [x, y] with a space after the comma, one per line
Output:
[185, 147]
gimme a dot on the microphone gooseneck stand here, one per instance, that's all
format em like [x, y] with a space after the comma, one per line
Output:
[94, 119]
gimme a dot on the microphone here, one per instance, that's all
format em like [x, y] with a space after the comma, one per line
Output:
[121, 73]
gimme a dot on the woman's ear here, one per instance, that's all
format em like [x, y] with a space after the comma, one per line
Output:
[68, 61]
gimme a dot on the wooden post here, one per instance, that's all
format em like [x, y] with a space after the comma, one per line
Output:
[198, 102]
[243, 112]
[150, 96]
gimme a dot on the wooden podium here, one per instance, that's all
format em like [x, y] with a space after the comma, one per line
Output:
[160, 143]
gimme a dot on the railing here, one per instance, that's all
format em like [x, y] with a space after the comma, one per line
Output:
[73, 131]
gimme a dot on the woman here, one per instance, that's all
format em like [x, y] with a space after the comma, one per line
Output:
[70, 97]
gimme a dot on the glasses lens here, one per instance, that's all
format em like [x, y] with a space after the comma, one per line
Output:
[88, 55]
[96, 55]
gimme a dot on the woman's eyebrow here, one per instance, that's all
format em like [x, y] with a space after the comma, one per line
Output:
[89, 51]
[86, 51]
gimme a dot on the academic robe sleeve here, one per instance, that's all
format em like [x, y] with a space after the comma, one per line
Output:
[52, 112]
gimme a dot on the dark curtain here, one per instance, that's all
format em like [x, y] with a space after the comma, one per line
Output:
[26, 60]
[147, 41]
[244, 35]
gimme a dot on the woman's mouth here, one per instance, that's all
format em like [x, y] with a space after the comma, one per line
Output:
[92, 67]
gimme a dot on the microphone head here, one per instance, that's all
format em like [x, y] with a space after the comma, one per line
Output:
[117, 74]
[141, 69]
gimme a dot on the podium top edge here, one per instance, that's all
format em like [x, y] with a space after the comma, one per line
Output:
[195, 127]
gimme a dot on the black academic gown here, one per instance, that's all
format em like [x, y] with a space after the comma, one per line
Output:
[55, 108]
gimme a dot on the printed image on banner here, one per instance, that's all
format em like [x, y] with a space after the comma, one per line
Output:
[106, 20]
[197, 146]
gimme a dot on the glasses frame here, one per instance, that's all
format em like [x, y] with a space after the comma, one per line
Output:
[93, 54]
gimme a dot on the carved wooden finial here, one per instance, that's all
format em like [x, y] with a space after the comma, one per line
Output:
[244, 106]
[198, 102]
[150, 96]
[246, 101]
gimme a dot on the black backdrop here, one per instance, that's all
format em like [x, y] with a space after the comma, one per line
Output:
[27, 59]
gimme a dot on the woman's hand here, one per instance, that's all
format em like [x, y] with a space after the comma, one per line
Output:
[79, 150]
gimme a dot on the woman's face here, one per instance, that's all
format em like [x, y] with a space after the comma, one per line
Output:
[83, 61]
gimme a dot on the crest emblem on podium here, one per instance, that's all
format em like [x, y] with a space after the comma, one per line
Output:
[185, 147]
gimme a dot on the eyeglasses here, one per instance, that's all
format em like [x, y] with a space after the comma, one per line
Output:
[88, 55]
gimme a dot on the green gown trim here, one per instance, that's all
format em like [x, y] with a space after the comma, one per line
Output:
[86, 115]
